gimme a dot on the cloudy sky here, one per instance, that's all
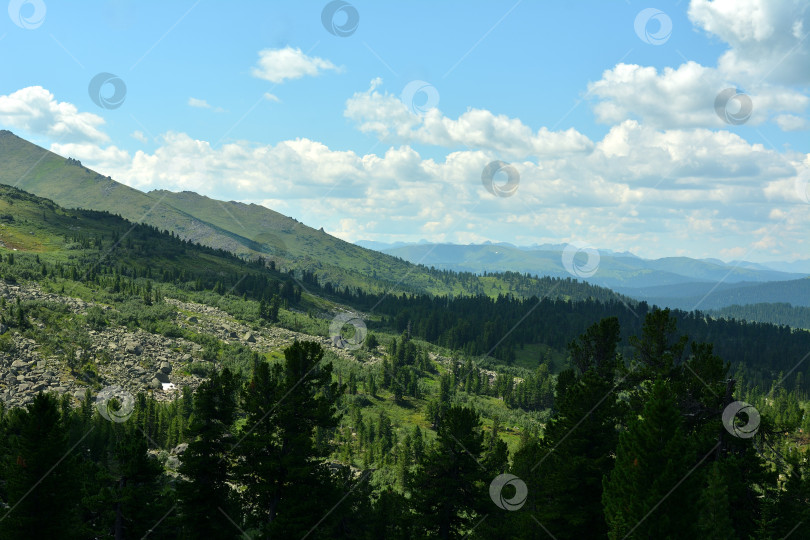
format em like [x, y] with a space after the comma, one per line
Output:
[676, 128]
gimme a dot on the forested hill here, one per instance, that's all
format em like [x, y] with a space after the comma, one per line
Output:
[248, 230]
[101, 249]
[706, 296]
[775, 313]
[181, 390]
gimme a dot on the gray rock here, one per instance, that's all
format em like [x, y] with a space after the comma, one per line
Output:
[192, 319]
[18, 364]
[133, 348]
[180, 448]
[250, 338]
[23, 387]
[39, 386]
[155, 384]
[165, 367]
[172, 462]
[162, 377]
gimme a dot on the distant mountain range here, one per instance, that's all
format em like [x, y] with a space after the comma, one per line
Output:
[678, 282]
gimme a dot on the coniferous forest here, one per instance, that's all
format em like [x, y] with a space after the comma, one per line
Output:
[592, 418]
[344, 270]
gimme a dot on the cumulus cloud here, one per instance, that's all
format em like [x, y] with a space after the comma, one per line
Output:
[682, 97]
[768, 55]
[635, 189]
[36, 110]
[767, 38]
[279, 65]
[387, 117]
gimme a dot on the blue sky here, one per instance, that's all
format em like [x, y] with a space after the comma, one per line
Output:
[607, 117]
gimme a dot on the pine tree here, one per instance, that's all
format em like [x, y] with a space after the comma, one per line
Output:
[205, 495]
[42, 475]
[286, 486]
[652, 457]
[714, 520]
[449, 487]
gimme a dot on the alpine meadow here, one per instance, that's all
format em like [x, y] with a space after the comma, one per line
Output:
[405, 270]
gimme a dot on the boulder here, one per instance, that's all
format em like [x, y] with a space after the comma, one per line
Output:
[162, 377]
[249, 338]
[180, 448]
[165, 367]
[18, 364]
[133, 348]
[155, 384]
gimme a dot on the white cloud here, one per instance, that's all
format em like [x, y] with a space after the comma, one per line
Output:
[696, 189]
[203, 104]
[385, 116]
[681, 97]
[199, 103]
[271, 97]
[767, 38]
[35, 110]
[139, 136]
[768, 53]
[279, 65]
[789, 122]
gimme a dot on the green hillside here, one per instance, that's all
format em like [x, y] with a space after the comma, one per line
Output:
[250, 231]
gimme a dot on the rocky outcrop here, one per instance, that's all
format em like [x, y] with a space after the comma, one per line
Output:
[137, 361]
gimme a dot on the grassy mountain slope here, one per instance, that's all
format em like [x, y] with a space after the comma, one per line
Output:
[245, 230]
